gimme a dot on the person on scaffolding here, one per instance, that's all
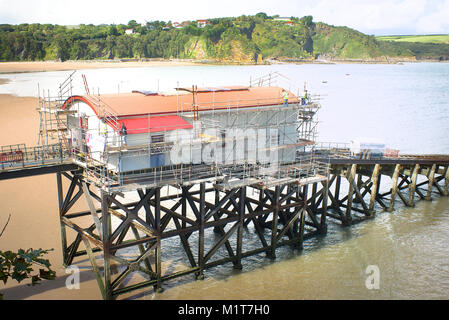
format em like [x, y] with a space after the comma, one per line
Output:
[105, 133]
[124, 133]
[285, 97]
[305, 100]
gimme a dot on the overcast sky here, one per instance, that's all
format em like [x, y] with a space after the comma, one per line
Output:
[379, 17]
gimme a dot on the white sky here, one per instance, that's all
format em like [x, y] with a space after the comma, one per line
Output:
[377, 17]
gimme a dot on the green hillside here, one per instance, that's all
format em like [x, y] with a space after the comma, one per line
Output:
[343, 43]
[433, 38]
[244, 39]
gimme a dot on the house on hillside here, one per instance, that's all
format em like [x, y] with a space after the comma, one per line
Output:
[129, 31]
[202, 23]
[181, 25]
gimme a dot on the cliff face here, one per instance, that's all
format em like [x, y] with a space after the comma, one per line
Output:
[196, 49]
[236, 53]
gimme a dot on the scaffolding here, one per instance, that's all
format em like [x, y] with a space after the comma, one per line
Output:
[57, 127]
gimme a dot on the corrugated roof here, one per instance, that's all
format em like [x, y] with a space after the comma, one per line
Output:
[131, 104]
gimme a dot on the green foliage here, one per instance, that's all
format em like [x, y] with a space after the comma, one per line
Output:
[422, 50]
[432, 38]
[19, 265]
[223, 38]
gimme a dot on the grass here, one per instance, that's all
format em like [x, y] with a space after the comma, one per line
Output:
[434, 38]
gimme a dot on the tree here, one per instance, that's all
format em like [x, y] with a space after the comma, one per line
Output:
[19, 265]
[262, 15]
[61, 47]
[132, 24]
[112, 31]
[307, 21]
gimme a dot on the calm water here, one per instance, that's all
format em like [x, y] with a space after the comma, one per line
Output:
[407, 106]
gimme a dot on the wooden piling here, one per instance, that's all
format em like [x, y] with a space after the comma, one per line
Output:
[446, 182]
[412, 186]
[394, 188]
[274, 225]
[431, 178]
[350, 176]
[374, 188]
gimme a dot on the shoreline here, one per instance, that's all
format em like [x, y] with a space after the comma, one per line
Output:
[44, 66]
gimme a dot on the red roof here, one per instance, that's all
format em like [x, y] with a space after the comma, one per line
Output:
[154, 124]
[136, 104]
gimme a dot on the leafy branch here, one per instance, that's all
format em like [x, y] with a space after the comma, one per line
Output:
[3, 230]
[19, 265]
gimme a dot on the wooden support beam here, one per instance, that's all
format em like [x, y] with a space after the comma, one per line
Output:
[185, 243]
[158, 231]
[394, 187]
[238, 264]
[148, 214]
[144, 254]
[302, 220]
[323, 227]
[290, 223]
[107, 295]
[274, 225]
[222, 241]
[201, 216]
[61, 214]
[92, 209]
[431, 178]
[412, 186]
[105, 236]
[374, 188]
[258, 228]
[446, 181]
[360, 200]
[350, 176]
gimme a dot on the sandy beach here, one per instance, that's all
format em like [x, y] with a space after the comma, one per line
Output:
[41, 66]
[32, 204]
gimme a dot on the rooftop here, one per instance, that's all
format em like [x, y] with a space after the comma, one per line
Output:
[139, 103]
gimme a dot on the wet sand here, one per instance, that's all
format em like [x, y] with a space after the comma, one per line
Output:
[33, 205]
[41, 66]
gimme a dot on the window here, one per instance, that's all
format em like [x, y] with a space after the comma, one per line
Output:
[157, 138]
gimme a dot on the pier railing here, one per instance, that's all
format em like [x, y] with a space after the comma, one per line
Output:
[21, 156]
